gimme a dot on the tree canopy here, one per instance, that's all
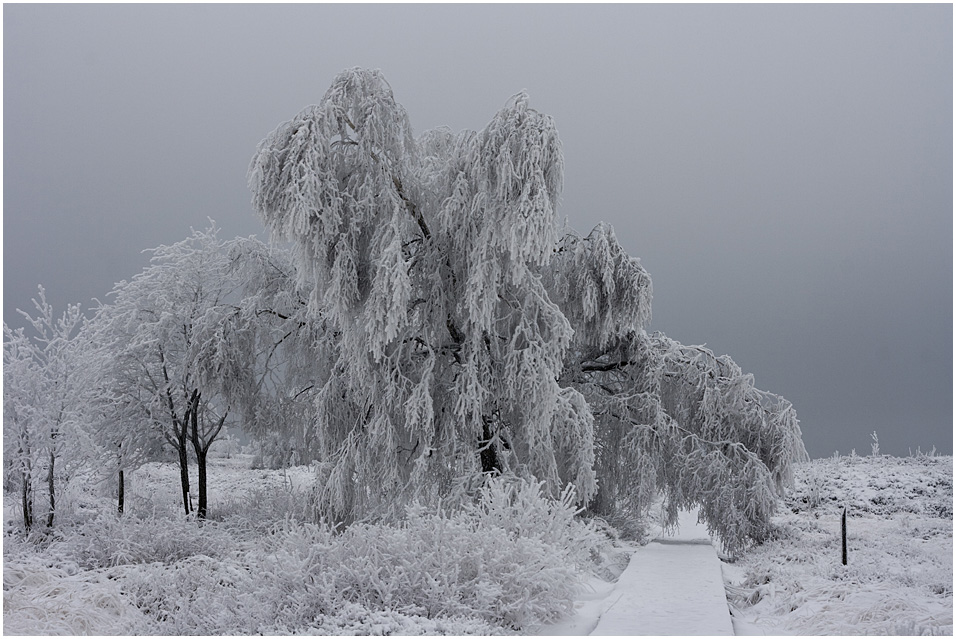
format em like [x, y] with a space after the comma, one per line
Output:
[471, 333]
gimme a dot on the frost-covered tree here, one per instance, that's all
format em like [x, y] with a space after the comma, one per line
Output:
[40, 400]
[201, 335]
[21, 393]
[424, 259]
[115, 406]
[177, 351]
[469, 333]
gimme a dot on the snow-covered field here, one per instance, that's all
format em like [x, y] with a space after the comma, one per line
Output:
[497, 571]
[899, 573]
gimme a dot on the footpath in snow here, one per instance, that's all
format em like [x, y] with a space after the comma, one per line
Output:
[672, 586]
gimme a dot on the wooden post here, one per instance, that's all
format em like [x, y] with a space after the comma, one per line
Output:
[121, 493]
[844, 535]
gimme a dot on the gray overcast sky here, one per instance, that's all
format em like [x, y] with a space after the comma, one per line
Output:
[783, 171]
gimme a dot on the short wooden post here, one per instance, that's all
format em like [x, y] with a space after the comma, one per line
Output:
[844, 535]
[121, 496]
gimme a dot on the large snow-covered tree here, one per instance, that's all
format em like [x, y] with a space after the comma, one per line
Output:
[470, 333]
[425, 260]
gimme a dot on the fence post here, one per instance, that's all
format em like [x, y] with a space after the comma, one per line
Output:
[844, 535]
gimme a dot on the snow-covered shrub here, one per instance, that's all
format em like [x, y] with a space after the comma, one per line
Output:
[515, 559]
[510, 562]
[440, 565]
[270, 595]
[520, 507]
[195, 595]
[109, 541]
[260, 508]
[42, 600]
[814, 488]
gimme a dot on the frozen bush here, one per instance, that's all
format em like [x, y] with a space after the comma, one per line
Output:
[513, 560]
[260, 508]
[520, 507]
[109, 540]
[42, 600]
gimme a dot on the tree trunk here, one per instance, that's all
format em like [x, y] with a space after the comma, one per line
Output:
[201, 443]
[26, 474]
[27, 504]
[50, 487]
[121, 493]
[488, 452]
[599, 503]
[184, 473]
[201, 462]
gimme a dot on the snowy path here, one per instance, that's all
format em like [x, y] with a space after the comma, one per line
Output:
[672, 586]
[669, 589]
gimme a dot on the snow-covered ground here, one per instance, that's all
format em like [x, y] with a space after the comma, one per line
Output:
[108, 578]
[671, 586]
[899, 573]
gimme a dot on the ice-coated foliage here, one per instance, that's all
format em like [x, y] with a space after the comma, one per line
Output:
[604, 292]
[291, 356]
[470, 333]
[678, 421]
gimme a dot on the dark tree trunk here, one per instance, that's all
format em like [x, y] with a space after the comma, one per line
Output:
[184, 473]
[201, 461]
[180, 429]
[51, 487]
[489, 453]
[27, 500]
[26, 474]
[598, 504]
[192, 423]
[121, 493]
[201, 442]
